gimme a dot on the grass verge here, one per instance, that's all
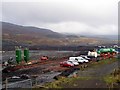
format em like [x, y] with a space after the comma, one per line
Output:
[99, 63]
[58, 83]
[113, 78]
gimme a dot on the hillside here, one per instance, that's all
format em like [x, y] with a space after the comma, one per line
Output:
[15, 35]
[13, 29]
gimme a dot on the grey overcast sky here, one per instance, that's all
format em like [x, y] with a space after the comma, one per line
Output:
[98, 17]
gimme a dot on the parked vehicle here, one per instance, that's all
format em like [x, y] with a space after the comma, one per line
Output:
[73, 58]
[82, 60]
[75, 62]
[66, 64]
[44, 58]
[78, 59]
[85, 57]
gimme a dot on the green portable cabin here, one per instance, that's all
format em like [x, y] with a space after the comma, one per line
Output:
[26, 55]
[18, 55]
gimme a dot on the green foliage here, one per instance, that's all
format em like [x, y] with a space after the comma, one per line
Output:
[109, 79]
[58, 83]
[113, 78]
[101, 62]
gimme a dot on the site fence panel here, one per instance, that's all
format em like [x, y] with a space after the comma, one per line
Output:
[20, 84]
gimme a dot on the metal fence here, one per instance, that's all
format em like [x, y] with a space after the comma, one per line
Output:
[29, 83]
[20, 84]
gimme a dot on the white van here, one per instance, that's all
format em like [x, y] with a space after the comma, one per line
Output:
[78, 59]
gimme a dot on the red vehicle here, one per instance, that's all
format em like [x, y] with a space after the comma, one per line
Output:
[66, 64]
[44, 58]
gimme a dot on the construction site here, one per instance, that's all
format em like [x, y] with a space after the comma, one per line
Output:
[28, 69]
[59, 44]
